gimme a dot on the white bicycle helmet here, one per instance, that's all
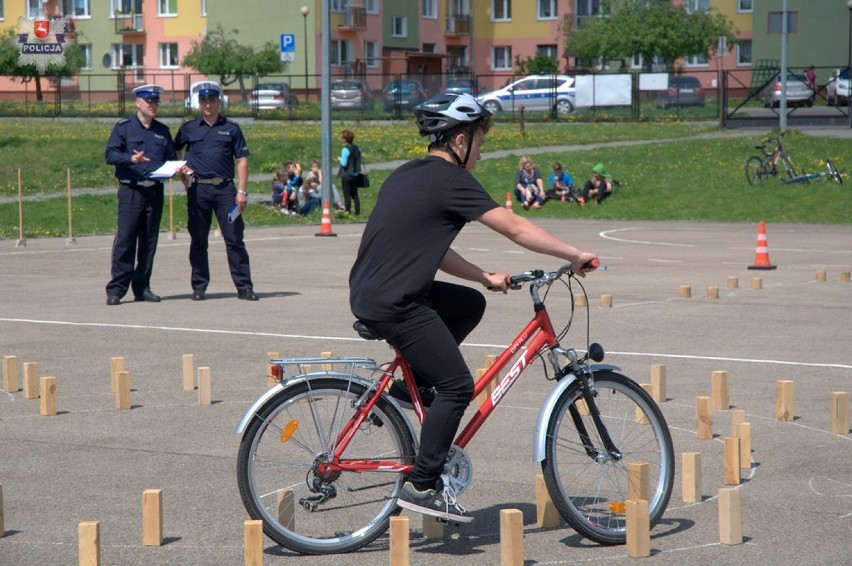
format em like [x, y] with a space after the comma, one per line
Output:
[444, 113]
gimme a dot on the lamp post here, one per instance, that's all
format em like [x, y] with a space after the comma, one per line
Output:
[305, 11]
[849, 68]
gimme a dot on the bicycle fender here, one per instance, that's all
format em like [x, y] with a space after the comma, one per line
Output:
[540, 430]
[272, 391]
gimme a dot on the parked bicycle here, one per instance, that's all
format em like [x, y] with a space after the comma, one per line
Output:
[324, 454]
[759, 169]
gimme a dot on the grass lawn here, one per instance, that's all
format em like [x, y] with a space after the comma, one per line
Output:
[686, 179]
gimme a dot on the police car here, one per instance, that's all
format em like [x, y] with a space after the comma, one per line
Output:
[536, 92]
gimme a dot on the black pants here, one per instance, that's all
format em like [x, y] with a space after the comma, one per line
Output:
[429, 339]
[350, 193]
[201, 202]
[140, 210]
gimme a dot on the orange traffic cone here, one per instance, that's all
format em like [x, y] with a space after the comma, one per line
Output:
[509, 202]
[325, 226]
[761, 254]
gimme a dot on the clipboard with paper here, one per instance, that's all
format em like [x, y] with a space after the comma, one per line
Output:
[167, 170]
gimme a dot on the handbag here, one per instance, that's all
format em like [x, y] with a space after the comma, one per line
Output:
[363, 180]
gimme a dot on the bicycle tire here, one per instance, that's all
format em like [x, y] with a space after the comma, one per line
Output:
[276, 476]
[590, 492]
[835, 175]
[755, 171]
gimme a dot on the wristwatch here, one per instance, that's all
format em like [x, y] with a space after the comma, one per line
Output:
[242, 193]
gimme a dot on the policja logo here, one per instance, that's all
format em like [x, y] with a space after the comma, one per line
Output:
[45, 46]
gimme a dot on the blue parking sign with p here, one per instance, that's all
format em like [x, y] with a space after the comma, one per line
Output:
[288, 46]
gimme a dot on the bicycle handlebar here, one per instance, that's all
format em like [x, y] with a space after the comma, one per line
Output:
[539, 275]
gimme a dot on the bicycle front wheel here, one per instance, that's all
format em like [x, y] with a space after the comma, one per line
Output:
[835, 175]
[281, 477]
[755, 171]
[587, 484]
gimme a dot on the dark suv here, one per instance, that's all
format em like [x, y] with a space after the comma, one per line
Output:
[682, 91]
[403, 94]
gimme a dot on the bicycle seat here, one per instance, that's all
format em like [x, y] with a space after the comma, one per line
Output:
[365, 331]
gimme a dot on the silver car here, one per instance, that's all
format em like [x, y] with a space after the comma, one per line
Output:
[350, 94]
[536, 92]
[798, 92]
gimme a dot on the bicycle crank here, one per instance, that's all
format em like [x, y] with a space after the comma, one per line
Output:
[458, 470]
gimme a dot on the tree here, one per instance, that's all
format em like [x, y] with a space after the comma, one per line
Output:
[650, 28]
[221, 56]
[9, 66]
[540, 64]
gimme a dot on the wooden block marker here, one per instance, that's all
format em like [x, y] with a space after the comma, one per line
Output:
[511, 537]
[546, 515]
[490, 360]
[116, 364]
[733, 282]
[205, 394]
[737, 416]
[784, 400]
[658, 382]
[579, 300]
[756, 283]
[432, 527]
[639, 480]
[253, 543]
[30, 380]
[820, 275]
[685, 291]
[732, 461]
[719, 381]
[270, 377]
[122, 390]
[730, 516]
[639, 414]
[691, 477]
[489, 387]
[399, 533]
[152, 517]
[10, 374]
[839, 412]
[326, 367]
[744, 434]
[704, 417]
[2, 519]
[89, 543]
[712, 292]
[638, 529]
[845, 276]
[188, 372]
[606, 301]
[47, 401]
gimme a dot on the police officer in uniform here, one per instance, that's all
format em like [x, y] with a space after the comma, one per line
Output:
[213, 143]
[137, 146]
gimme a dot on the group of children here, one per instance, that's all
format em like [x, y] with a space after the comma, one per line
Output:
[531, 192]
[296, 195]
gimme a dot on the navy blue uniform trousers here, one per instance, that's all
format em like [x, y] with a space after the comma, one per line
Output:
[140, 210]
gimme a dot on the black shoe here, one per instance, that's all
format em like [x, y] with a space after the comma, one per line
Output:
[247, 294]
[399, 392]
[198, 295]
[113, 300]
[430, 502]
[147, 296]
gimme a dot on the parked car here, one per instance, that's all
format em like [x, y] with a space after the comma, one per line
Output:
[536, 92]
[798, 93]
[837, 89]
[682, 91]
[461, 86]
[403, 94]
[272, 96]
[350, 94]
[191, 101]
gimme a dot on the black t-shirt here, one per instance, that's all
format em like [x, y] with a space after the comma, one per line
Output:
[419, 211]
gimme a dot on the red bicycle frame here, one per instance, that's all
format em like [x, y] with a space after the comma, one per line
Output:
[536, 335]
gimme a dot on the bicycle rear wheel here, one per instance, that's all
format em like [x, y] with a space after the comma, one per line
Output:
[280, 476]
[586, 484]
[755, 170]
[833, 172]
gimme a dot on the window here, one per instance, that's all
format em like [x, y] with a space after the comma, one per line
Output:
[371, 53]
[501, 10]
[86, 48]
[699, 60]
[168, 55]
[399, 26]
[340, 52]
[77, 8]
[459, 8]
[501, 58]
[744, 53]
[203, 7]
[339, 5]
[128, 55]
[372, 6]
[428, 48]
[167, 7]
[125, 7]
[33, 9]
[588, 7]
[745, 6]
[546, 9]
[548, 50]
[697, 6]
[429, 9]
[2, 13]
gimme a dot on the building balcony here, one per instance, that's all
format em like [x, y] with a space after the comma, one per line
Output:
[457, 25]
[353, 18]
[129, 23]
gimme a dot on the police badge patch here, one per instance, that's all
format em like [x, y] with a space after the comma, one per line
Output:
[40, 42]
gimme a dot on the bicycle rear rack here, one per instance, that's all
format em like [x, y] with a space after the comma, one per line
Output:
[358, 366]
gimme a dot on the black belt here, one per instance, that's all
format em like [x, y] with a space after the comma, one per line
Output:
[146, 184]
[215, 181]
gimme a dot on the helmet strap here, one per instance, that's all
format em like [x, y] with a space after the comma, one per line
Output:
[471, 130]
